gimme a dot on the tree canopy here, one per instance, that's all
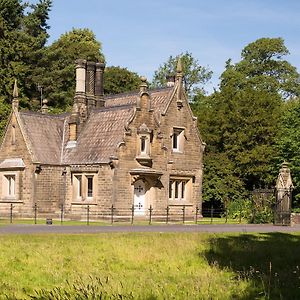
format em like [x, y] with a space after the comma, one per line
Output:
[55, 70]
[195, 75]
[240, 123]
[119, 80]
[23, 33]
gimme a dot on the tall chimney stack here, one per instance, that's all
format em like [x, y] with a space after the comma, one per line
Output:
[99, 82]
[90, 86]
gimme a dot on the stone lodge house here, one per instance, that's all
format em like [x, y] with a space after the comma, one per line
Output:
[134, 149]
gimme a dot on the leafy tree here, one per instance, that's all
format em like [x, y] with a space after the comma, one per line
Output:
[23, 33]
[263, 67]
[288, 143]
[241, 121]
[195, 75]
[55, 71]
[119, 80]
[220, 183]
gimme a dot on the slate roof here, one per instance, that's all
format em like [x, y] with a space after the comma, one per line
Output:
[159, 98]
[45, 134]
[99, 138]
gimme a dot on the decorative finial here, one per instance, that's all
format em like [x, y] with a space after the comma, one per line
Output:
[45, 106]
[179, 76]
[179, 67]
[15, 101]
[16, 91]
[143, 85]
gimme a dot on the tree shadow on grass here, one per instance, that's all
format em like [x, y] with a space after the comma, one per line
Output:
[270, 262]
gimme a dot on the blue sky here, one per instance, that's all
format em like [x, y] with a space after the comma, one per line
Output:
[141, 35]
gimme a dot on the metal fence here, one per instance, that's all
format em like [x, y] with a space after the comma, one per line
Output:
[88, 215]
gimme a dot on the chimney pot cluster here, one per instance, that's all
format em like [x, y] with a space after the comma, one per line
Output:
[88, 93]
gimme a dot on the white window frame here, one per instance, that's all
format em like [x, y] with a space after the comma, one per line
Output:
[178, 136]
[9, 185]
[77, 181]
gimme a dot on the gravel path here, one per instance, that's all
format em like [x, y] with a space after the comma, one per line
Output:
[58, 229]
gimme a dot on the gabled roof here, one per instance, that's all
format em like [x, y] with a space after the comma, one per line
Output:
[44, 133]
[99, 137]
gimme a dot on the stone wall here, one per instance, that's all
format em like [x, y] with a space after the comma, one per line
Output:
[14, 146]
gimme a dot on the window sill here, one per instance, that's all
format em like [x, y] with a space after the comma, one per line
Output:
[10, 200]
[87, 202]
[179, 203]
[144, 160]
[177, 151]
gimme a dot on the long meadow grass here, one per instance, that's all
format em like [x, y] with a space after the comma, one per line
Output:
[150, 266]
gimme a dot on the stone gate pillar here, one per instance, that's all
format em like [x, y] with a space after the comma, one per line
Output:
[284, 187]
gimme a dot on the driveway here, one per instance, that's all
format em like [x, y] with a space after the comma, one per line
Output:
[217, 228]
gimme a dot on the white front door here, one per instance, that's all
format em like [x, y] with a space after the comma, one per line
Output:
[139, 198]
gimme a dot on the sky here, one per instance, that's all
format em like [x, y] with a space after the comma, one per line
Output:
[141, 35]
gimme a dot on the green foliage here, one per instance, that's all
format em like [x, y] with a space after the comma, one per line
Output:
[220, 182]
[263, 68]
[195, 75]
[247, 210]
[4, 114]
[241, 208]
[55, 70]
[23, 33]
[288, 143]
[240, 123]
[119, 80]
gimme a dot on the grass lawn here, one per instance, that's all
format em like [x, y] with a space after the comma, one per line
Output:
[128, 222]
[150, 266]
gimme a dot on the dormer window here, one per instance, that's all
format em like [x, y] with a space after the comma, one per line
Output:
[177, 139]
[144, 145]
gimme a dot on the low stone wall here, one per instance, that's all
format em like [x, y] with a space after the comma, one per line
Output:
[295, 218]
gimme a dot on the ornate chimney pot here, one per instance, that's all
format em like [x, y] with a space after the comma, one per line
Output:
[80, 75]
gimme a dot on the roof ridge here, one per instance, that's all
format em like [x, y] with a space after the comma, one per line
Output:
[136, 92]
[39, 114]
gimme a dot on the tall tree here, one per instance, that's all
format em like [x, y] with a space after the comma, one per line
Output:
[263, 67]
[55, 71]
[23, 33]
[195, 75]
[288, 143]
[119, 80]
[241, 121]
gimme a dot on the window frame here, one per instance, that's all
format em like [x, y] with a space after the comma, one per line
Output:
[81, 186]
[179, 189]
[9, 185]
[90, 177]
[178, 139]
